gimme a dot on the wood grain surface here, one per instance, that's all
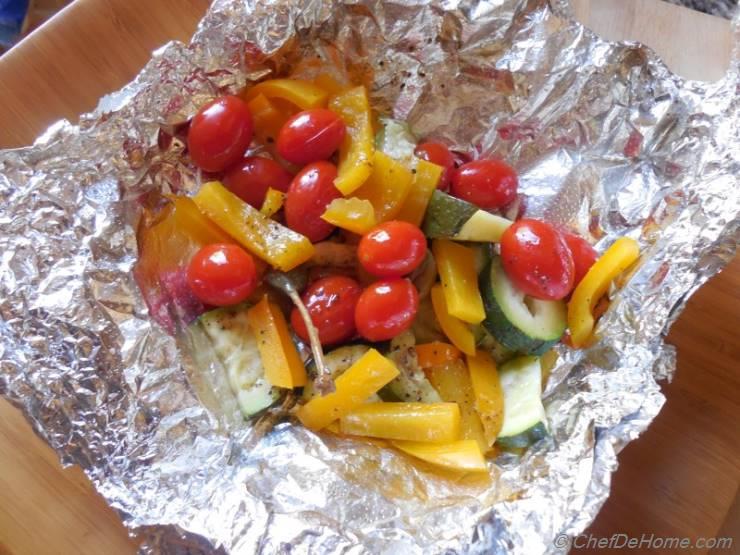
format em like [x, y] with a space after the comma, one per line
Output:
[679, 479]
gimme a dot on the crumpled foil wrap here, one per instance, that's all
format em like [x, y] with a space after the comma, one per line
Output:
[606, 139]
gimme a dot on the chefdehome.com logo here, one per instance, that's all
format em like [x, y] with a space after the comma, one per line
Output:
[639, 543]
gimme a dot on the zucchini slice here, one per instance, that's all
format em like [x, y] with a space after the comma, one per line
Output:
[236, 347]
[457, 219]
[517, 321]
[396, 140]
[411, 384]
[521, 382]
[528, 437]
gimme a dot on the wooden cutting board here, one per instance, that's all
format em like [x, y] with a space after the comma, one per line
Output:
[679, 479]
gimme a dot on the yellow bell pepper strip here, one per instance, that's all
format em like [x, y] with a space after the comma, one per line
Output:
[357, 148]
[268, 118]
[456, 267]
[457, 331]
[462, 455]
[425, 183]
[353, 214]
[283, 364]
[436, 353]
[303, 94]
[452, 382]
[273, 202]
[187, 218]
[169, 243]
[330, 84]
[387, 187]
[489, 397]
[594, 285]
[352, 388]
[437, 422]
[274, 243]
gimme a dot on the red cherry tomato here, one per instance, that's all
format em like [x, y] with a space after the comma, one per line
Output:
[331, 303]
[220, 133]
[392, 249]
[310, 136]
[584, 255]
[250, 179]
[310, 192]
[386, 309]
[222, 274]
[537, 259]
[489, 184]
[439, 154]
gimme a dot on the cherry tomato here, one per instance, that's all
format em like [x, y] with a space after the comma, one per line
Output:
[310, 136]
[537, 259]
[584, 255]
[439, 154]
[386, 309]
[222, 274]
[331, 303]
[489, 184]
[310, 192]
[250, 179]
[392, 249]
[220, 133]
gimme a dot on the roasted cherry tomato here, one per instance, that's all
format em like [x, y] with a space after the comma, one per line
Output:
[537, 259]
[584, 255]
[392, 249]
[489, 184]
[220, 133]
[331, 303]
[222, 274]
[250, 179]
[386, 308]
[439, 154]
[310, 136]
[310, 192]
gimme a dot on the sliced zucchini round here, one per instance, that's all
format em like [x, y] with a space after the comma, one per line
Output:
[521, 384]
[519, 322]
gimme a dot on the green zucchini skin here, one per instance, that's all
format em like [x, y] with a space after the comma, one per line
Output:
[524, 439]
[446, 215]
[499, 324]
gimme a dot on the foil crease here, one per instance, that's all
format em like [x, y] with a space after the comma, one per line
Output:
[606, 139]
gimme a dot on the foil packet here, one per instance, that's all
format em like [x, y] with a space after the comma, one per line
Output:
[606, 140]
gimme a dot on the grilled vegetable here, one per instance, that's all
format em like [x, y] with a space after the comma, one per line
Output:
[452, 218]
[521, 382]
[236, 347]
[434, 422]
[518, 322]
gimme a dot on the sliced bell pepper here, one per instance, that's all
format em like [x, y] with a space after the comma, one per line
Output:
[303, 94]
[277, 245]
[169, 244]
[452, 382]
[387, 187]
[352, 388]
[425, 183]
[436, 422]
[268, 118]
[273, 202]
[617, 258]
[464, 454]
[283, 364]
[356, 151]
[457, 331]
[330, 84]
[436, 353]
[353, 214]
[489, 397]
[456, 266]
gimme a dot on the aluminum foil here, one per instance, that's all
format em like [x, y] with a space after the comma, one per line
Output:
[606, 139]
